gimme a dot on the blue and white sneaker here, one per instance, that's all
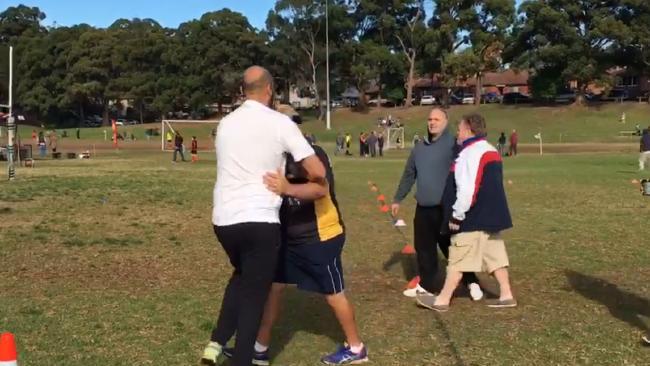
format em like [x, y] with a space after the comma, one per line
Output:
[345, 356]
[259, 358]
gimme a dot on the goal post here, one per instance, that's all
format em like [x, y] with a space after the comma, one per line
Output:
[395, 138]
[204, 130]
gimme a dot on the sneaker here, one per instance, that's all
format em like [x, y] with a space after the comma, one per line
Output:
[211, 353]
[508, 303]
[428, 301]
[259, 358]
[475, 291]
[345, 356]
[415, 291]
[646, 340]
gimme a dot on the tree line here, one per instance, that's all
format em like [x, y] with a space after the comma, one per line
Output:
[64, 73]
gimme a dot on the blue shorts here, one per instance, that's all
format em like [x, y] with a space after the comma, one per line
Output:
[314, 267]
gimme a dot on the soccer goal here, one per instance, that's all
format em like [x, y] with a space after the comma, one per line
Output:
[204, 130]
[395, 138]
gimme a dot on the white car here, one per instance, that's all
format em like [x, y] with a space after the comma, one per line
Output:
[428, 100]
[374, 101]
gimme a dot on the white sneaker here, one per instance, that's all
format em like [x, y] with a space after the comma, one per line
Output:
[475, 291]
[211, 354]
[415, 291]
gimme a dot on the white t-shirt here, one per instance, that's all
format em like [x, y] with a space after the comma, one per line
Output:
[251, 141]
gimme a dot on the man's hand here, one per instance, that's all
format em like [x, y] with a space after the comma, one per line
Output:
[453, 227]
[394, 209]
[276, 182]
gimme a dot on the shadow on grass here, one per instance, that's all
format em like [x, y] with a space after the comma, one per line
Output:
[623, 305]
[302, 312]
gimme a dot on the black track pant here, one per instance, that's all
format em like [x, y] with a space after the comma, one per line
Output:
[427, 225]
[253, 251]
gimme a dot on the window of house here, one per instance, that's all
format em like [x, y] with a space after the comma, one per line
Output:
[627, 81]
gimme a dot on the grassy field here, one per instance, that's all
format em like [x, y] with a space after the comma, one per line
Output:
[112, 261]
[563, 124]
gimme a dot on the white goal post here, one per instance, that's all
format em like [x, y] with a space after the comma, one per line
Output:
[395, 138]
[166, 125]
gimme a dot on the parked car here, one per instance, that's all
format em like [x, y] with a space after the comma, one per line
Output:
[374, 101]
[336, 103]
[491, 97]
[462, 98]
[120, 122]
[427, 100]
[616, 95]
[565, 96]
[516, 98]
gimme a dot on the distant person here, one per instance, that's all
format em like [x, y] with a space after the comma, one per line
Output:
[178, 146]
[416, 139]
[340, 141]
[362, 144]
[372, 144]
[348, 141]
[479, 212]
[42, 147]
[34, 137]
[380, 143]
[195, 150]
[644, 148]
[53, 140]
[78, 133]
[501, 145]
[169, 136]
[514, 140]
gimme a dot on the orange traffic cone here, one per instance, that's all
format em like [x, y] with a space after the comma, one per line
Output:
[384, 208]
[408, 249]
[8, 353]
[413, 283]
[381, 198]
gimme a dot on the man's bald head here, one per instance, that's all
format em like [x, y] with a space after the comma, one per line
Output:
[257, 81]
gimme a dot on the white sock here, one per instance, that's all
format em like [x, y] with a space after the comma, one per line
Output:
[260, 347]
[357, 349]
[216, 345]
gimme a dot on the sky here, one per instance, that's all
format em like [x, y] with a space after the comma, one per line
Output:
[169, 13]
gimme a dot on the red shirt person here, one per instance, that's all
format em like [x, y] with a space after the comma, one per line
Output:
[514, 139]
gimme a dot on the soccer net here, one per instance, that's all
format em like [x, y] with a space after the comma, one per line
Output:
[395, 138]
[204, 130]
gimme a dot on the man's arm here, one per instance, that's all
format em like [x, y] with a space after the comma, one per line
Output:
[277, 183]
[405, 184]
[408, 179]
[465, 177]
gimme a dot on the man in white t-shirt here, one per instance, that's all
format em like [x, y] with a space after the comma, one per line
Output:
[246, 214]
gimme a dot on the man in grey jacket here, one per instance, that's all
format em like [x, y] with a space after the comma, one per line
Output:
[428, 167]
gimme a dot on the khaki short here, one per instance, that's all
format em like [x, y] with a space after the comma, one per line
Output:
[477, 251]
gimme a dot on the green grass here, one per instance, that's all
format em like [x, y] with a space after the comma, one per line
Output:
[557, 124]
[112, 261]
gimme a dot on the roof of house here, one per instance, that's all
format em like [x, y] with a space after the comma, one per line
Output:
[507, 77]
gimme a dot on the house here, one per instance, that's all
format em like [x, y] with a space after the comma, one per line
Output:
[623, 78]
[502, 82]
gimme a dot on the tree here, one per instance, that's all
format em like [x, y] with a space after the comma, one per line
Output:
[20, 20]
[302, 22]
[488, 27]
[94, 70]
[571, 38]
[142, 44]
[213, 51]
